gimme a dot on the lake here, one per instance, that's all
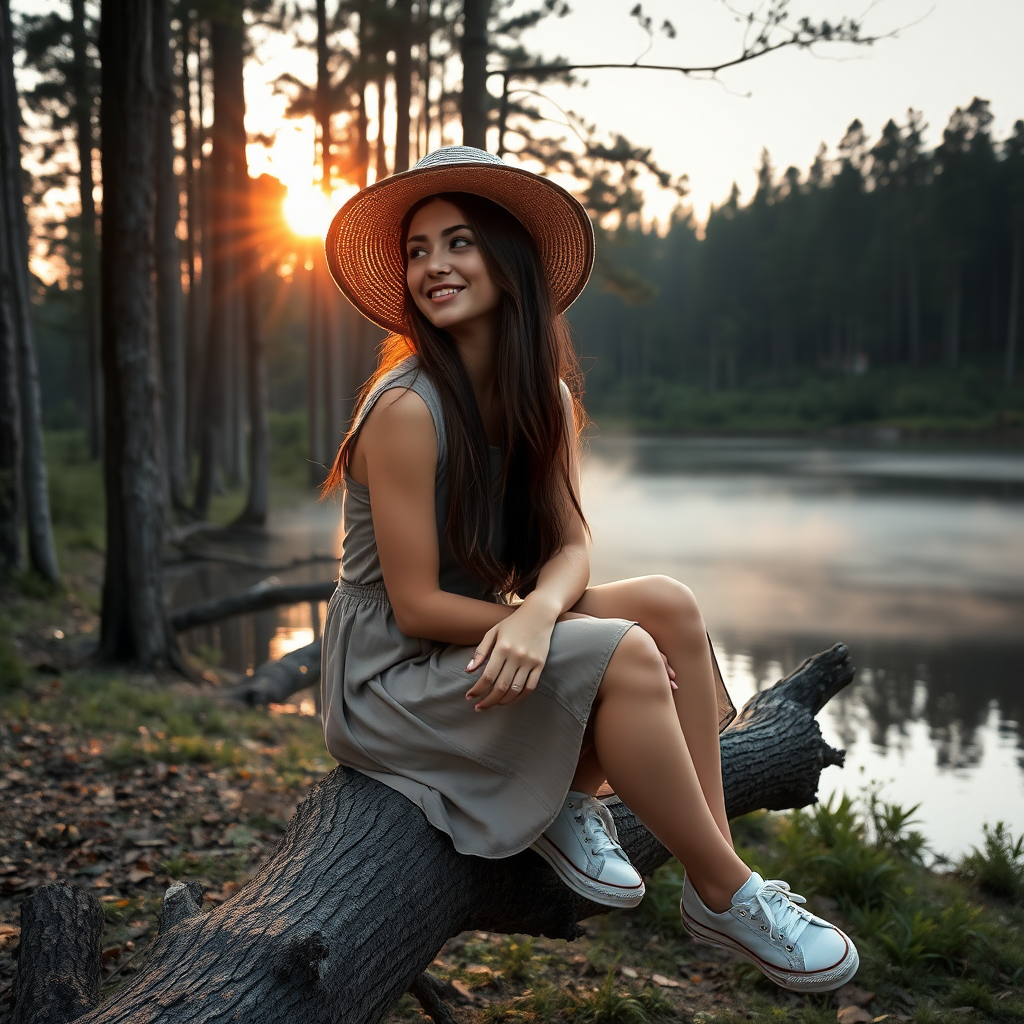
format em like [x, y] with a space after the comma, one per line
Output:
[913, 556]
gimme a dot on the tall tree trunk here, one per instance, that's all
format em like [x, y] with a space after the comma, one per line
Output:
[228, 114]
[168, 262]
[953, 324]
[314, 369]
[194, 198]
[428, 31]
[362, 143]
[87, 230]
[913, 310]
[1013, 316]
[134, 624]
[12, 558]
[322, 101]
[42, 555]
[403, 83]
[330, 341]
[257, 504]
[475, 98]
[380, 166]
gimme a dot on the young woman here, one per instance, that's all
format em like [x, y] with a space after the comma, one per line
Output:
[467, 662]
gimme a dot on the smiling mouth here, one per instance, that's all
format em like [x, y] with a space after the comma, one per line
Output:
[443, 291]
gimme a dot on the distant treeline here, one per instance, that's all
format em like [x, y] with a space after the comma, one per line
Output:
[889, 256]
[883, 284]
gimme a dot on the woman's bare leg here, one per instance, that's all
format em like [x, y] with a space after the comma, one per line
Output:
[645, 755]
[668, 611]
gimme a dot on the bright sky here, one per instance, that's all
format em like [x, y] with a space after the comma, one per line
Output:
[945, 52]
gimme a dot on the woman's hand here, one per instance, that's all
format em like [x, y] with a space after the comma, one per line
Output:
[515, 651]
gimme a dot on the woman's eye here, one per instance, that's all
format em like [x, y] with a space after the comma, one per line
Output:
[416, 252]
[460, 243]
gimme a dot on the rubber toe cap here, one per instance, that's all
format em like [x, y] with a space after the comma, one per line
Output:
[823, 947]
[620, 873]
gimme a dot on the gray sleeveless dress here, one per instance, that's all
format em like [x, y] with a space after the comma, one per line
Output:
[394, 706]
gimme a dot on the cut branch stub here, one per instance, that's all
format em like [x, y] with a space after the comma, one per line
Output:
[363, 891]
[59, 956]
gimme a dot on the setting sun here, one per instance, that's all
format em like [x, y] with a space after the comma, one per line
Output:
[309, 212]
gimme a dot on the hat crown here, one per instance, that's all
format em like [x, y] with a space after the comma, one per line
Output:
[447, 155]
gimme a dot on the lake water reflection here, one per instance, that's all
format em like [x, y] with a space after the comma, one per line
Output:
[912, 556]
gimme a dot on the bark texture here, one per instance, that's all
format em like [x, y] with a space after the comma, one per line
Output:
[134, 626]
[362, 891]
[228, 115]
[59, 958]
[168, 261]
[275, 681]
[475, 98]
[255, 599]
[41, 551]
[87, 229]
[12, 557]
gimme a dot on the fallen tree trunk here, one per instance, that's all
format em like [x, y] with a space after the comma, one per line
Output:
[363, 892]
[275, 681]
[190, 555]
[256, 599]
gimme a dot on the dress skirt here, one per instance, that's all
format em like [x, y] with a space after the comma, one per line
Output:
[395, 708]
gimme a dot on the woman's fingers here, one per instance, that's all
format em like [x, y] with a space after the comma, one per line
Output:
[670, 670]
[482, 650]
[517, 686]
[502, 682]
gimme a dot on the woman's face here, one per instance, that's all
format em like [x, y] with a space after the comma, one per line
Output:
[446, 275]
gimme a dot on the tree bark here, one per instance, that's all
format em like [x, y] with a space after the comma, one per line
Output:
[314, 370]
[475, 98]
[275, 681]
[1013, 316]
[380, 166]
[168, 262]
[134, 626]
[363, 891]
[255, 599]
[258, 501]
[42, 555]
[403, 83]
[228, 115]
[87, 230]
[12, 557]
[59, 958]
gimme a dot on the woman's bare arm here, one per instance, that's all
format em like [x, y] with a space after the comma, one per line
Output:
[396, 457]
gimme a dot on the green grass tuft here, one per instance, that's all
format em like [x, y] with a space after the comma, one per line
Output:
[997, 869]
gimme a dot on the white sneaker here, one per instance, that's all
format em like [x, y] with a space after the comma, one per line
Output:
[797, 950]
[582, 846]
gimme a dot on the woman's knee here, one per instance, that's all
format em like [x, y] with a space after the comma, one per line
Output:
[673, 603]
[636, 667]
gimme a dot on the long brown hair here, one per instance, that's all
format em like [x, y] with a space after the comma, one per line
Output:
[535, 352]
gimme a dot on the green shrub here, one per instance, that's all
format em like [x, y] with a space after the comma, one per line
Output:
[998, 868]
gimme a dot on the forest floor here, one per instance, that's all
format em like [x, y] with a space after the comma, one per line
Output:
[127, 782]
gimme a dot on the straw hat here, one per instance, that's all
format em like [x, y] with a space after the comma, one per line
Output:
[364, 244]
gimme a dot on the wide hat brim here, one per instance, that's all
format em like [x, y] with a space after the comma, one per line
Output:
[364, 244]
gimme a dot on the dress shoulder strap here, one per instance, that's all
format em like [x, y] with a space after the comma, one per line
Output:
[408, 375]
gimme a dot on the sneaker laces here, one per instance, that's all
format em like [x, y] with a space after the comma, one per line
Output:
[778, 906]
[599, 825]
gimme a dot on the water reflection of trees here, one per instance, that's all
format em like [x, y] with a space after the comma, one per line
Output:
[950, 687]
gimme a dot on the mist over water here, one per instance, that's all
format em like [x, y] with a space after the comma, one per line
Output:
[914, 557]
